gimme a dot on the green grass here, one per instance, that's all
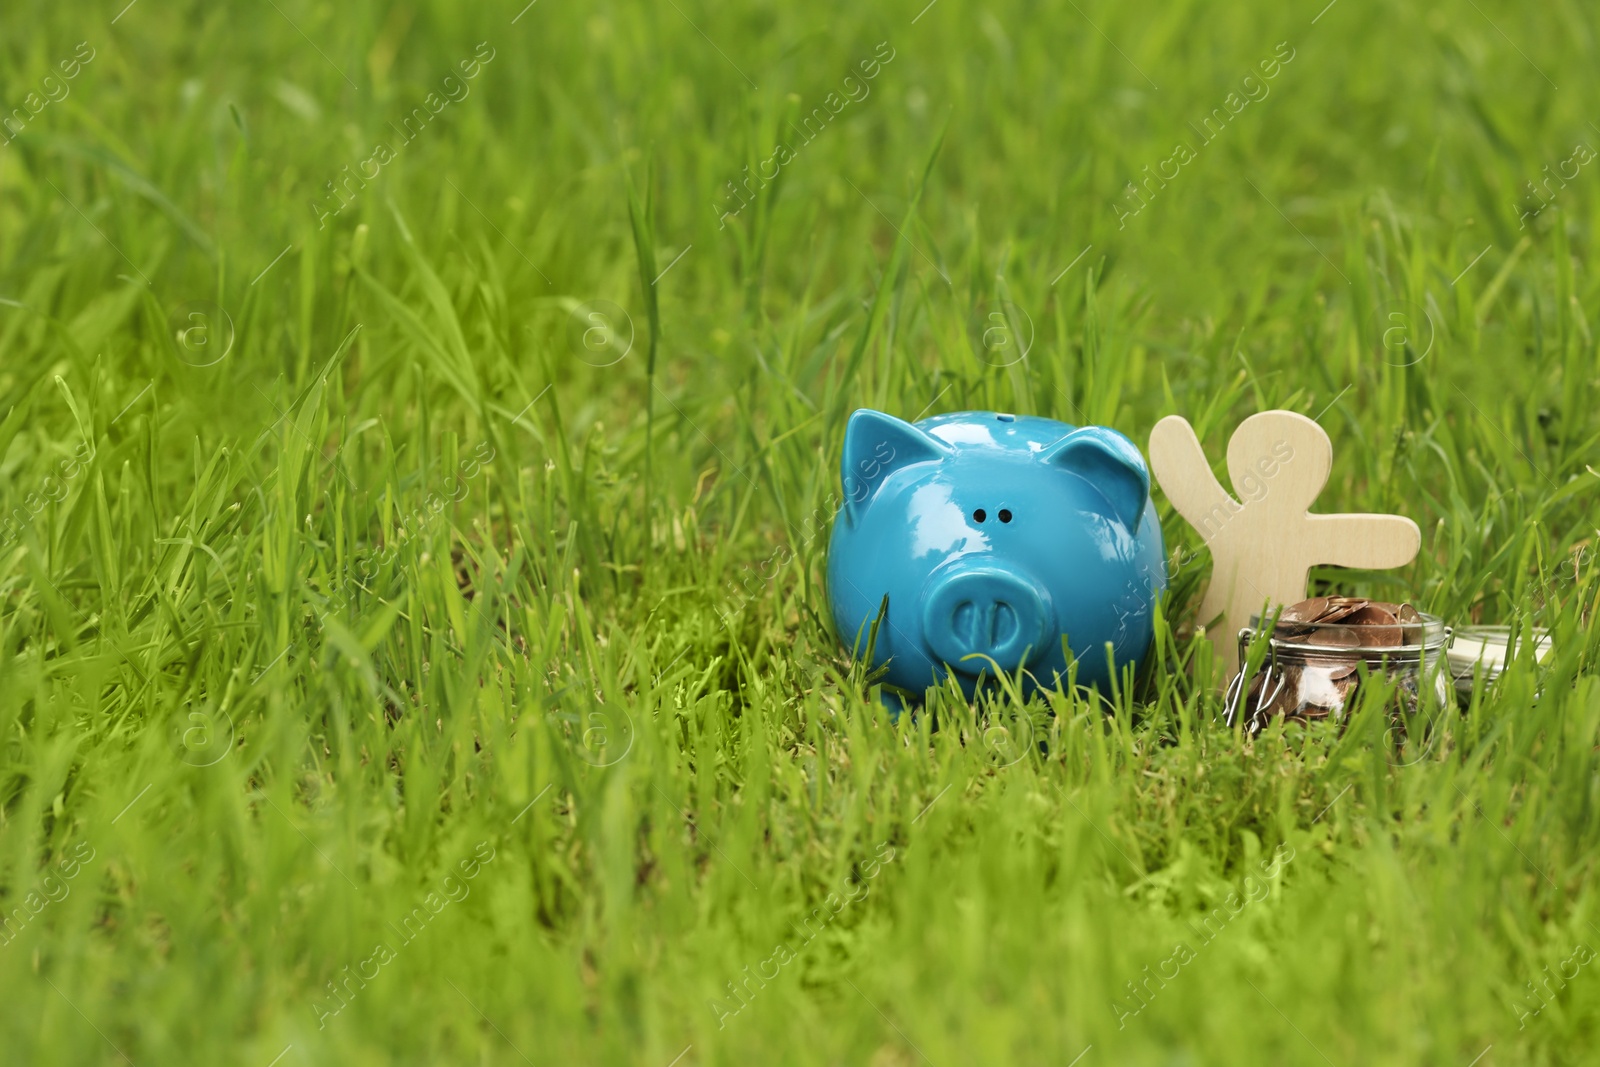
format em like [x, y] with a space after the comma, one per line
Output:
[403, 586]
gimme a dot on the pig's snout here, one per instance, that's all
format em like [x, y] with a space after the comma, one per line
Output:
[987, 609]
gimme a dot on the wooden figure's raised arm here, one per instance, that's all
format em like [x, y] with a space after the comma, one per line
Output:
[1369, 542]
[1179, 464]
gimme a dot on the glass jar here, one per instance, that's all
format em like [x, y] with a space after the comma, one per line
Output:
[1485, 650]
[1307, 672]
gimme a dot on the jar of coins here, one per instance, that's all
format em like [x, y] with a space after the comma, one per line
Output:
[1308, 667]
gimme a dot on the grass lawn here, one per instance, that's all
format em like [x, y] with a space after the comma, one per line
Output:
[424, 431]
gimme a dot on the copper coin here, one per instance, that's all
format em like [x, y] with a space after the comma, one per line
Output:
[1342, 607]
[1334, 637]
[1305, 610]
[1411, 619]
[1382, 631]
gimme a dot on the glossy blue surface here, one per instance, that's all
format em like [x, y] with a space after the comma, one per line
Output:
[1002, 535]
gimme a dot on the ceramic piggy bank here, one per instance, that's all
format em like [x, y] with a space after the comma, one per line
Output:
[1000, 541]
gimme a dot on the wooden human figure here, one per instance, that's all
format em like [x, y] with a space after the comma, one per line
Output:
[1264, 544]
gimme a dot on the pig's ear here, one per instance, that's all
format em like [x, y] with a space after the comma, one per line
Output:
[1109, 462]
[875, 445]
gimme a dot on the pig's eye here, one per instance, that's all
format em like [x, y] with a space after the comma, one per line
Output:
[980, 515]
[1005, 514]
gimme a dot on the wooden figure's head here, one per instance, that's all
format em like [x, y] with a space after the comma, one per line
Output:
[1279, 462]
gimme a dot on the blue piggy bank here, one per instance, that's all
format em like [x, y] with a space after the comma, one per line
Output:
[1000, 541]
